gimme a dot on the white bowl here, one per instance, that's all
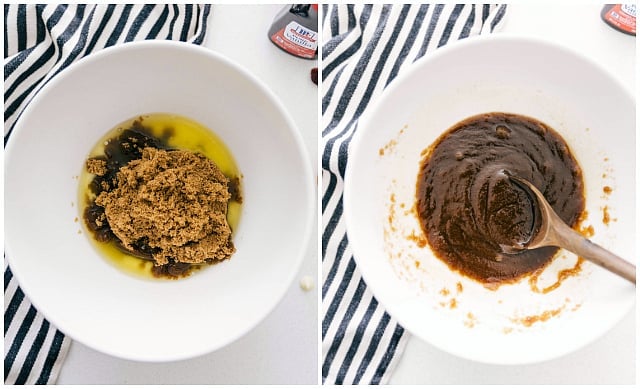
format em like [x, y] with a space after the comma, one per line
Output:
[59, 269]
[513, 324]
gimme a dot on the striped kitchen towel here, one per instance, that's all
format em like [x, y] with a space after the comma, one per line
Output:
[364, 48]
[39, 42]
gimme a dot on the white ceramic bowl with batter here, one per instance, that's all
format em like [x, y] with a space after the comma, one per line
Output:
[514, 324]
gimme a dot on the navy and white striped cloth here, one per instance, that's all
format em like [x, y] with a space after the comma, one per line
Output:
[39, 42]
[364, 48]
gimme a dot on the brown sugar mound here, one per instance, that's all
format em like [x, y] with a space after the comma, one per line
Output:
[174, 202]
[97, 166]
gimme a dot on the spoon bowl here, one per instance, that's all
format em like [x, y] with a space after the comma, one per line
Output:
[551, 230]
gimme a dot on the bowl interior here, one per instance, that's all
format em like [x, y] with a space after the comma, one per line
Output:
[62, 273]
[513, 324]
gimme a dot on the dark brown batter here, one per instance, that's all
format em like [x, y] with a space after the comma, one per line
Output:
[468, 207]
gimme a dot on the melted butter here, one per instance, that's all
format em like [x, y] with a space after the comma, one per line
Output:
[177, 132]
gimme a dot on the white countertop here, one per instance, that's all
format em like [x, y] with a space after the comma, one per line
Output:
[610, 359]
[284, 347]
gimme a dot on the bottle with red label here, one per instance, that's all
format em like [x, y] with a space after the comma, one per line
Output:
[295, 30]
[622, 17]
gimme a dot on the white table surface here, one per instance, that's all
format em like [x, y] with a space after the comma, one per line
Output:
[284, 347]
[610, 359]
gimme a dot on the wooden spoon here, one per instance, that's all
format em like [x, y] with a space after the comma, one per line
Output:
[554, 231]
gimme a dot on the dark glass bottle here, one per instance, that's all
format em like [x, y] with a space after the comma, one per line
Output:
[621, 17]
[295, 30]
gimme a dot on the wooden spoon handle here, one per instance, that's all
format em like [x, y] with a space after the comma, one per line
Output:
[607, 260]
[578, 244]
